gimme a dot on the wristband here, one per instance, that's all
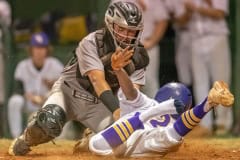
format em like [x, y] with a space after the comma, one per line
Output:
[109, 100]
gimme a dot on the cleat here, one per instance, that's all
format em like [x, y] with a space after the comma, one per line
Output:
[19, 147]
[220, 95]
[83, 144]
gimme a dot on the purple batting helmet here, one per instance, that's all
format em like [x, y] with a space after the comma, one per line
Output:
[177, 91]
[39, 40]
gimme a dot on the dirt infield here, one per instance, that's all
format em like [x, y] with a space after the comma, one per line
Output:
[192, 149]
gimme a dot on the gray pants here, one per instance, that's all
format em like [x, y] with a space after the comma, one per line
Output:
[81, 106]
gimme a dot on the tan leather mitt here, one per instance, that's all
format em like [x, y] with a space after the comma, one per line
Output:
[220, 94]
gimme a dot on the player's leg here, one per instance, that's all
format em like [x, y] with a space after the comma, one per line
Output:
[97, 117]
[218, 95]
[221, 69]
[44, 125]
[98, 145]
[183, 57]
[15, 106]
[201, 76]
[121, 130]
[152, 72]
[163, 140]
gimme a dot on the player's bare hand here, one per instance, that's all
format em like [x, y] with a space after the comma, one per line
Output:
[35, 99]
[121, 57]
[49, 83]
[148, 44]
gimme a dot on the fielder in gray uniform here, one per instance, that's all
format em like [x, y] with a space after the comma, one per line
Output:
[85, 92]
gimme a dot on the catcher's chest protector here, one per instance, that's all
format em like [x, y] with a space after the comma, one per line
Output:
[106, 48]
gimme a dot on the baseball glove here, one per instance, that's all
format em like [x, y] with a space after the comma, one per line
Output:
[220, 94]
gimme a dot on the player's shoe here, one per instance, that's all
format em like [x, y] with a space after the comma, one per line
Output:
[19, 147]
[220, 95]
[83, 144]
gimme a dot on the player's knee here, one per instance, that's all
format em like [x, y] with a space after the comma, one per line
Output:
[16, 102]
[46, 124]
[52, 118]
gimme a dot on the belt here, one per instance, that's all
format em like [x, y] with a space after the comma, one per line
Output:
[82, 95]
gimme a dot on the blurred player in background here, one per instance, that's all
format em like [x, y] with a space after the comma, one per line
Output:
[183, 46]
[5, 21]
[211, 58]
[34, 77]
[156, 126]
[85, 92]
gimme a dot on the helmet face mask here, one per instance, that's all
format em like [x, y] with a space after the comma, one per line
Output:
[124, 21]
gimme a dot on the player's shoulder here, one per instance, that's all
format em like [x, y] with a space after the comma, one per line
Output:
[90, 38]
[54, 61]
[24, 63]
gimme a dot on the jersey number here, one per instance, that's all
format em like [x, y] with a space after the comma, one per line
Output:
[162, 123]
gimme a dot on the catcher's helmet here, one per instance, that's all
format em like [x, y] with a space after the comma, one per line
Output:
[128, 16]
[176, 91]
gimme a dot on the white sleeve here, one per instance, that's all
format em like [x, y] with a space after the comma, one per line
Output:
[57, 69]
[159, 109]
[138, 77]
[127, 106]
[178, 8]
[5, 12]
[221, 5]
[159, 10]
[19, 71]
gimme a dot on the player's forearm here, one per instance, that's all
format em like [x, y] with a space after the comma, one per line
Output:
[157, 34]
[126, 84]
[103, 90]
[211, 12]
[183, 20]
[98, 81]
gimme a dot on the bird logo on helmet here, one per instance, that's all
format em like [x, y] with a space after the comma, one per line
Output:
[177, 91]
[128, 16]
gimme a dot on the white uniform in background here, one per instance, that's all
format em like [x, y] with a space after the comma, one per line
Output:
[32, 80]
[183, 57]
[211, 58]
[156, 139]
[183, 60]
[155, 12]
[5, 17]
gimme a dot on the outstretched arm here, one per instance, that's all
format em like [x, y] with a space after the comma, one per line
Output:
[120, 59]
